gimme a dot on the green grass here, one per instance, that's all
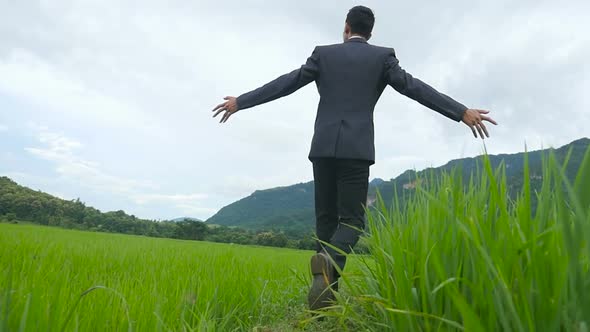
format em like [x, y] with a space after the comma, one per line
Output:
[53, 279]
[455, 257]
[467, 258]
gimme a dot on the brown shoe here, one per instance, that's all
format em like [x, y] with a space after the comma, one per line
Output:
[320, 295]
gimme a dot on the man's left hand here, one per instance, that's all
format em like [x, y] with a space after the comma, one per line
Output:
[474, 118]
[230, 106]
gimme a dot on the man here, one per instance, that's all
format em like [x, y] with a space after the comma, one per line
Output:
[350, 78]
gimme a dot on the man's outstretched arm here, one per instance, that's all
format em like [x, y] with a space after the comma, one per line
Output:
[280, 87]
[426, 95]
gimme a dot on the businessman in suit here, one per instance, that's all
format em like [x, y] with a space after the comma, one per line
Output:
[350, 78]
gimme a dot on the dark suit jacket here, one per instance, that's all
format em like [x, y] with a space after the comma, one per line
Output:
[350, 78]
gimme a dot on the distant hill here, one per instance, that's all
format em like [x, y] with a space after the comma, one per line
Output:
[22, 204]
[376, 182]
[284, 208]
[290, 209]
[25, 204]
[514, 164]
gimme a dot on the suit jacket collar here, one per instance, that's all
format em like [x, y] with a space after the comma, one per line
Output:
[356, 40]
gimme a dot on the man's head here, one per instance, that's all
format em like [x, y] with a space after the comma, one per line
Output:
[359, 22]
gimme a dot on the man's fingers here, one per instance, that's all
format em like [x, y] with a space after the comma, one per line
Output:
[485, 130]
[488, 119]
[221, 110]
[479, 130]
[227, 115]
[474, 120]
[219, 106]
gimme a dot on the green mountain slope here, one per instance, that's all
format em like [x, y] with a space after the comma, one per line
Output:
[290, 209]
[21, 204]
[284, 208]
[513, 164]
[25, 204]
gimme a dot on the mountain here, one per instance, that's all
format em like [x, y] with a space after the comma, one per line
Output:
[282, 208]
[21, 204]
[513, 163]
[290, 209]
[376, 182]
[287, 209]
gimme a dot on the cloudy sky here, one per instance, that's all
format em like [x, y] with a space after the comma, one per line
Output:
[110, 101]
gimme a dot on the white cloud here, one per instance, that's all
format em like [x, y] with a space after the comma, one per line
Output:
[29, 77]
[176, 198]
[135, 85]
[183, 204]
[192, 210]
[64, 153]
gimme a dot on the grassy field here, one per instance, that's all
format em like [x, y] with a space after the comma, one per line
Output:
[468, 258]
[455, 257]
[53, 279]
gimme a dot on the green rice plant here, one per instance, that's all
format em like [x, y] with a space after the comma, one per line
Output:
[62, 280]
[455, 254]
[466, 257]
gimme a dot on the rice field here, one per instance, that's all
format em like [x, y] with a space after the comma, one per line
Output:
[455, 257]
[54, 279]
[469, 258]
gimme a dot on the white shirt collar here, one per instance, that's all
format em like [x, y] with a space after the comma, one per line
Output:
[356, 37]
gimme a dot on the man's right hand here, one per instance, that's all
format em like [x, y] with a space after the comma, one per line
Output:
[474, 119]
[230, 106]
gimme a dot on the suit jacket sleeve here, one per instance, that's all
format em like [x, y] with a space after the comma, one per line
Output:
[282, 86]
[419, 91]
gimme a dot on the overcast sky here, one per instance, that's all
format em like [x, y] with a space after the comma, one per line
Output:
[110, 101]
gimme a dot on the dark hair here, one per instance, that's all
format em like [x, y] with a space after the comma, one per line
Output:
[361, 20]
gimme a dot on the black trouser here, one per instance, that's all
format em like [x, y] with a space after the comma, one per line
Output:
[340, 197]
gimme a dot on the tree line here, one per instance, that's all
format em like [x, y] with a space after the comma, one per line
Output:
[18, 203]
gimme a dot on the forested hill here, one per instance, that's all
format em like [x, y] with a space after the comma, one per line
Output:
[21, 204]
[282, 207]
[290, 208]
[278, 217]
